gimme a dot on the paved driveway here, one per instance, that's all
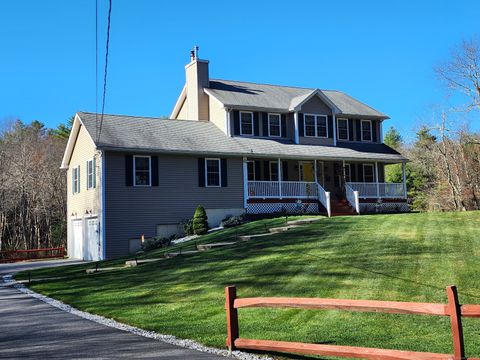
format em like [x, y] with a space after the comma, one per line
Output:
[32, 329]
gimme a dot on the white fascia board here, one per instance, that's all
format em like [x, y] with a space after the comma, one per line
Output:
[178, 104]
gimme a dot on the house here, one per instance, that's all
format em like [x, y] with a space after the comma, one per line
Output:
[231, 146]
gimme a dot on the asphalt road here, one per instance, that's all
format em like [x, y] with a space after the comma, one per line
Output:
[32, 329]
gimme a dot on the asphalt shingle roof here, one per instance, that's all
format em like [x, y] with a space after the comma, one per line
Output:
[131, 133]
[283, 98]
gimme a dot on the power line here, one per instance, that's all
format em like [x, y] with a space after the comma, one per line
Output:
[105, 70]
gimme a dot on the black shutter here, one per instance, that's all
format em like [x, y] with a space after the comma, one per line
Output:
[330, 126]
[285, 170]
[265, 124]
[257, 170]
[374, 131]
[352, 173]
[266, 171]
[223, 164]
[358, 126]
[154, 170]
[360, 172]
[236, 122]
[201, 172]
[350, 129]
[256, 125]
[284, 125]
[300, 124]
[128, 170]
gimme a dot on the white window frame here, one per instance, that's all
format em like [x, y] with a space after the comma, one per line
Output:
[315, 117]
[76, 179]
[241, 129]
[90, 174]
[371, 130]
[219, 172]
[373, 173]
[149, 170]
[254, 174]
[338, 130]
[270, 170]
[279, 124]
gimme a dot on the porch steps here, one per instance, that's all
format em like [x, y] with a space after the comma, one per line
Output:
[341, 208]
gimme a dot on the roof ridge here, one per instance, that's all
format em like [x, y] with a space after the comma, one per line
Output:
[257, 83]
[145, 117]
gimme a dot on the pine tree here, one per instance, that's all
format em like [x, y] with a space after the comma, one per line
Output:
[200, 223]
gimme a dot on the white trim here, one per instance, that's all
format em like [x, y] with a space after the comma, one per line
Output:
[348, 129]
[76, 180]
[361, 130]
[219, 172]
[373, 172]
[229, 122]
[279, 124]
[321, 95]
[315, 117]
[240, 122]
[206, 91]
[88, 174]
[295, 121]
[149, 170]
[254, 174]
[72, 139]
[179, 103]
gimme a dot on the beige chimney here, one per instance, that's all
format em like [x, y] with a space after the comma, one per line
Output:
[197, 79]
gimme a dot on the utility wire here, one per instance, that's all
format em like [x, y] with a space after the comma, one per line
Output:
[105, 71]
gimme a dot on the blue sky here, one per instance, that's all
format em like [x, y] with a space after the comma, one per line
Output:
[381, 52]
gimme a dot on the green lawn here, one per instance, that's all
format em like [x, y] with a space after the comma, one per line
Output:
[406, 257]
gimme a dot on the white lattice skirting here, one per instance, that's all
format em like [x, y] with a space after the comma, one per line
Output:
[289, 208]
[392, 207]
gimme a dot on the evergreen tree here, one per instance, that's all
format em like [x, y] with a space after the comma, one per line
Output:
[200, 223]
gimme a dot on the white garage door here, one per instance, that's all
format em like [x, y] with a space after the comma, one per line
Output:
[77, 243]
[91, 250]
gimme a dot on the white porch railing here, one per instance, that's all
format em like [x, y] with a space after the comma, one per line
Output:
[324, 198]
[379, 190]
[282, 189]
[352, 197]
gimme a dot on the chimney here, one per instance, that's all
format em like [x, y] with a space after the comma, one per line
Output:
[197, 78]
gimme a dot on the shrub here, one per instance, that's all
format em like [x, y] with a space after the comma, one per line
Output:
[156, 243]
[200, 224]
[187, 226]
[232, 221]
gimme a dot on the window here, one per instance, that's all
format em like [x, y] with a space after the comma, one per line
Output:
[348, 176]
[142, 166]
[90, 174]
[246, 123]
[366, 130]
[76, 180]
[273, 171]
[274, 125]
[368, 173]
[212, 172]
[342, 129]
[251, 170]
[316, 125]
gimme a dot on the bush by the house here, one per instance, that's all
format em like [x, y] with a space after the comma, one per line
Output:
[200, 223]
[232, 221]
[187, 226]
[156, 243]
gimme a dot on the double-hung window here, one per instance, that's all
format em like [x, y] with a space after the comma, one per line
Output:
[366, 130]
[251, 170]
[246, 123]
[316, 125]
[368, 173]
[273, 171]
[342, 129]
[274, 125]
[90, 174]
[76, 180]
[348, 176]
[142, 175]
[212, 172]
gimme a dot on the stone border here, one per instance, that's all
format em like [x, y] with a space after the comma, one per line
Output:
[169, 339]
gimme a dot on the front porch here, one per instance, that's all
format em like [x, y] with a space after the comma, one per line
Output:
[312, 186]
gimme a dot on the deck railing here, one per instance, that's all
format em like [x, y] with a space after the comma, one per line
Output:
[379, 190]
[282, 189]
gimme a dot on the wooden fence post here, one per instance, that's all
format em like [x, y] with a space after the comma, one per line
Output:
[455, 314]
[232, 317]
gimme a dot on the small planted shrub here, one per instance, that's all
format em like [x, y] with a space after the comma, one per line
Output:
[232, 221]
[187, 226]
[200, 223]
[156, 243]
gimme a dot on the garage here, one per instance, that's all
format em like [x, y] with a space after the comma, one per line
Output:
[86, 239]
[77, 243]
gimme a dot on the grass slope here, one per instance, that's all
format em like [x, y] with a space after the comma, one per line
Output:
[405, 257]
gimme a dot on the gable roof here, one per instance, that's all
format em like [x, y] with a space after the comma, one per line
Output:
[144, 134]
[238, 94]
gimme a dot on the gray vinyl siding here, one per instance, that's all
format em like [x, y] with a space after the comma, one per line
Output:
[133, 211]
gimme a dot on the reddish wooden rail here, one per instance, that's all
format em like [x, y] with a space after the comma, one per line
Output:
[453, 309]
[30, 254]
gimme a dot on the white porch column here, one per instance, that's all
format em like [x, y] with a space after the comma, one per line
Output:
[295, 120]
[245, 182]
[334, 125]
[404, 177]
[315, 170]
[279, 172]
[376, 179]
